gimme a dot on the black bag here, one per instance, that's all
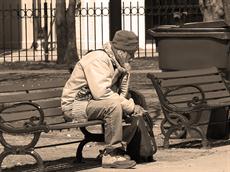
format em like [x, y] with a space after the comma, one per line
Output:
[219, 127]
[142, 145]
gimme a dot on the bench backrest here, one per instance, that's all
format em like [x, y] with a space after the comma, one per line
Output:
[209, 80]
[46, 93]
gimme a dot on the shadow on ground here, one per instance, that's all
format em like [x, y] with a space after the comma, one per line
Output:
[60, 165]
[197, 144]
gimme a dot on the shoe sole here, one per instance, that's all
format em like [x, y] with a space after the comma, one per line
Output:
[120, 165]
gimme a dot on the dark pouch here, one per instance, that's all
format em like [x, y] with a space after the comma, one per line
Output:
[141, 145]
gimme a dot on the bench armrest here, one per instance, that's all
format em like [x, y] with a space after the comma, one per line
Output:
[194, 104]
[30, 126]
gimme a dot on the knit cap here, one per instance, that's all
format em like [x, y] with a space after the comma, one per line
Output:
[125, 40]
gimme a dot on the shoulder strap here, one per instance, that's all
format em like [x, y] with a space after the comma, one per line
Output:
[94, 50]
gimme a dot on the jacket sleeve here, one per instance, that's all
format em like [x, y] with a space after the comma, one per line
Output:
[124, 85]
[99, 77]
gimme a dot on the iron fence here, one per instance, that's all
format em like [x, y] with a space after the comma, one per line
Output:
[23, 28]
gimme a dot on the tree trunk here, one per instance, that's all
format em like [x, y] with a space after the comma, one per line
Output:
[212, 10]
[61, 30]
[66, 32]
[71, 56]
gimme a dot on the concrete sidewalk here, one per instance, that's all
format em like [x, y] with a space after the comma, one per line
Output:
[211, 160]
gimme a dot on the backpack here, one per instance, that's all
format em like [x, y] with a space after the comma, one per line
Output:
[142, 146]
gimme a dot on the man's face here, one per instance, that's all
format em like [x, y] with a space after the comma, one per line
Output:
[130, 55]
[125, 56]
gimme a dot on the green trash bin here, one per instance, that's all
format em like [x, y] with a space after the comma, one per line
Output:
[182, 48]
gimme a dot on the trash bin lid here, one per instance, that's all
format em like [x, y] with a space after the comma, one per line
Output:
[193, 32]
[210, 24]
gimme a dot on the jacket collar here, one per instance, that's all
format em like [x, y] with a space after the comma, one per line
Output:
[108, 49]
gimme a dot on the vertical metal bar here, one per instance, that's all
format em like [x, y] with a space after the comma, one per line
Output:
[130, 15]
[46, 50]
[39, 14]
[51, 30]
[138, 25]
[151, 17]
[41, 33]
[25, 8]
[87, 21]
[172, 10]
[40, 29]
[159, 13]
[186, 9]
[102, 23]
[199, 13]
[3, 31]
[80, 15]
[167, 8]
[19, 18]
[95, 27]
[11, 32]
[191, 11]
[34, 21]
[123, 14]
[164, 20]
[145, 36]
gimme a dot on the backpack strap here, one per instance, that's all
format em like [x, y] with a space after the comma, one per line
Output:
[94, 50]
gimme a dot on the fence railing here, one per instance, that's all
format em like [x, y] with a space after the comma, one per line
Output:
[22, 28]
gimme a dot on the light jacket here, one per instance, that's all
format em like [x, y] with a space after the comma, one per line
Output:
[96, 76]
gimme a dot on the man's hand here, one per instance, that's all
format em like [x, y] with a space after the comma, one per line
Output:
[138, 110]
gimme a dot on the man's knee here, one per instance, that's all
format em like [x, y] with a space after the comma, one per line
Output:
[113, 105]
[104, 106]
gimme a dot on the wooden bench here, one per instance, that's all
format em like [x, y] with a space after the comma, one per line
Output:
[33, 107]
[186, 97]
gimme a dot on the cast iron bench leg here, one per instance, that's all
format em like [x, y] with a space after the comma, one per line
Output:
[4, 154]
[204, 141]
[172, 129]
[168, 134]
[21, 150]
[34, 154]
[88, 137]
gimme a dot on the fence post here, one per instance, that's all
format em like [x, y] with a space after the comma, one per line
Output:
[46, 32]
[114, 16]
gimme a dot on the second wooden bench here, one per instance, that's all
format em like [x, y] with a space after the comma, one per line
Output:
[188, 98]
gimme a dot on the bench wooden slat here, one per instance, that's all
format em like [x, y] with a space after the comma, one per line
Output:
[221, 102]
[32, 85]
[49, 103]
[208, 95]
[75, 125]
[54, 120]
[192, 80]
[44, 104]
[186, 73]
[204, 87]
[20, 97]
[15, 116]
[137, 86]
